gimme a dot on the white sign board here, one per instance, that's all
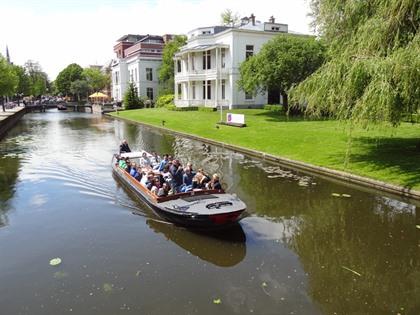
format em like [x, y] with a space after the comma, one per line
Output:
[235, 118]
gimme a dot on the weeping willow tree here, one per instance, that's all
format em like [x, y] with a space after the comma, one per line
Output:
[373, 70]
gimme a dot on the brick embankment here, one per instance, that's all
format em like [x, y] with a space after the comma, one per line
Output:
[310, 168]
[9, 118]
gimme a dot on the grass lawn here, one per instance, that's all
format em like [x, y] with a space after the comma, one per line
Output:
[387, 154]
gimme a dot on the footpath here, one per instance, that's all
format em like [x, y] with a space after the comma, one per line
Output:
[9, 118]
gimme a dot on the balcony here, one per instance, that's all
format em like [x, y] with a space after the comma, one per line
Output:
[200, 75]
[201, 103]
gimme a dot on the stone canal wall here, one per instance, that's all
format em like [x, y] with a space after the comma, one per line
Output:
[310, 168]
[9, 119]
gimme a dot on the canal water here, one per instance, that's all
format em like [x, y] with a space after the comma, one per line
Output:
[306, 246]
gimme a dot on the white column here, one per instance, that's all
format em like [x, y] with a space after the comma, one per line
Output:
[216, 89]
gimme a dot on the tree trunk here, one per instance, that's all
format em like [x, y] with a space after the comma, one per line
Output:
[285, 102]
[2, 104]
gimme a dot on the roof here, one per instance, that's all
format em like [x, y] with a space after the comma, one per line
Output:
[199, 48]
[131, 38]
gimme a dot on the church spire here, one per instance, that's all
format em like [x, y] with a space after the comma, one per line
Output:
[7, 54]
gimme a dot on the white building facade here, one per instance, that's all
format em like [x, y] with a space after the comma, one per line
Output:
[138, 60]
[207, 67]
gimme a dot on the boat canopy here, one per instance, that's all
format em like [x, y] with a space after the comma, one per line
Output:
[132, 155]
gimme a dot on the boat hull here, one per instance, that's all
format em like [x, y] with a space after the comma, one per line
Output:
[191, 219]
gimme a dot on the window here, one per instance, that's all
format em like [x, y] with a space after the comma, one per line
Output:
[179, 91]
[206, 60]
[116, 77]
[249, 51]
[186, 64]
[248, 96]
[149, 74]
[149, 92]
[193, 61]
[131, 75]
[206, 90]
[223, 59]
[136, 75]
[193, 90]
[178, 65]
[223, 89]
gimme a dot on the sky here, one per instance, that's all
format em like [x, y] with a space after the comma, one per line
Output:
[57, 33]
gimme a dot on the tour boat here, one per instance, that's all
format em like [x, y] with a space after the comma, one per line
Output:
[200, 209]
[61, 107]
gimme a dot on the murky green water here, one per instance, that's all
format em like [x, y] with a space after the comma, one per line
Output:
[300, 250]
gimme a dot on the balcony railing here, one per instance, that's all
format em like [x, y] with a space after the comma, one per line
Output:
[201, 103]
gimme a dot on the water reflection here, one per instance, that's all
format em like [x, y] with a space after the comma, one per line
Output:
[302, 250]
[222, 248]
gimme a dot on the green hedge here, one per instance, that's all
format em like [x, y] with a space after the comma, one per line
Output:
[165, 100]
[274, 108]
[181, 109]
[207, 109]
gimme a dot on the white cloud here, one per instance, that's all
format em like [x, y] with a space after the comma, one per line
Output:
[59, 36]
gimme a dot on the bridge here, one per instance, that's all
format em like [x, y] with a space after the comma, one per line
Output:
[74, 106]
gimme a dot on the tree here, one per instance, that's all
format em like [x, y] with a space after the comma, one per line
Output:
[282, 62]
[131, 98]
[166, 70]
[96, 79]
[79, 88]
[38, 80]
[372, 74]
[24, 85]
[71, 73]
[229, 18]
[8, 80]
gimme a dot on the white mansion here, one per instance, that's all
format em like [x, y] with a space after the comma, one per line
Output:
[207, 67]
[138, 60]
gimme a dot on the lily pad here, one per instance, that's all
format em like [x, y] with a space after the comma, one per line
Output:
[335, 195]
[345, 195]
[107, 287]
[55, 261]
[217, 301]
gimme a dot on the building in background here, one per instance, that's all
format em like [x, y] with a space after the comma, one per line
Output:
[207, 67]
[138, 58]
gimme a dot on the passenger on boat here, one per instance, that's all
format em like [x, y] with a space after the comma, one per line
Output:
[155, 159]
[156, 185]
[162, 163]
[167, 177]
[128, 165]
[124, 148]
[187, 179]
[149, 180]
[122, 164]
[164, 190]
[176, 171]
[135, 172]
[214, 183]
[145, 160]
[200, 179]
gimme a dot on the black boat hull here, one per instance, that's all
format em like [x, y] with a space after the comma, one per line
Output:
[181, 218]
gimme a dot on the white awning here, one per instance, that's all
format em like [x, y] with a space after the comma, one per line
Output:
[132, 155]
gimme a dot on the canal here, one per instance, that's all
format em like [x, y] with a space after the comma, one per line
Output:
[307, 245]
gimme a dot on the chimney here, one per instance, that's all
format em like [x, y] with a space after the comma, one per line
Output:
[252, 18]
[272, 20]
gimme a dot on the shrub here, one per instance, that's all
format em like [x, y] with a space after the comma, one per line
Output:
[131, 98]
[207, 109]
[274, 108]
[165, 100]
[181, 109]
